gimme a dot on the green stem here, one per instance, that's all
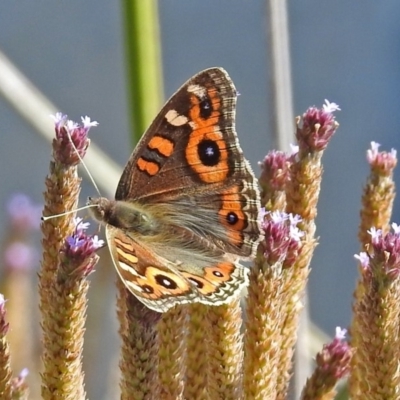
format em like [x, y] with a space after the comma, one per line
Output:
[143, 59]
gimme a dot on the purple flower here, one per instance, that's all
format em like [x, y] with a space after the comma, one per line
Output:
[381, 162]
[80, 225]
[78, 252]
[335, 357]
[396, 228]
[382, 259]
[363, 258]
[81, 245]
[19, 385]
[318, 127]
[275, 170]
[330, 107]
[24, 214]
[376, 234]
[24, 373]
[19, 256]
[3, 324]
[59, 120]
[71, 140]
[294, 149]
[282, 238]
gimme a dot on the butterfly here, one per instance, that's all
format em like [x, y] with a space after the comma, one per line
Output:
[187, 204]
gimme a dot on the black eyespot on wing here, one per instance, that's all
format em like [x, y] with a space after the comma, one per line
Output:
[232, 218]
[147, 289]
[198, 284]
[209, 152]
[218, 274]
[166, 282]
[205, 108]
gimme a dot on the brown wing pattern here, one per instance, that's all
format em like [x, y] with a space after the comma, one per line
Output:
[190, 146]
[160, 287]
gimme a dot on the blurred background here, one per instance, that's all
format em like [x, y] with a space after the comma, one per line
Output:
[343, 51]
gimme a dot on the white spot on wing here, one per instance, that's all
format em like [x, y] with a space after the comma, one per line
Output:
[133, 286]
[175, 119]
[127, 268]
[198, 90]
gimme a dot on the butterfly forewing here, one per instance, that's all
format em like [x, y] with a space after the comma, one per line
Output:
[187, 150]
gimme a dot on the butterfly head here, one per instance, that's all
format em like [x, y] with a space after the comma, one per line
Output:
[100, 208]
[124, 215]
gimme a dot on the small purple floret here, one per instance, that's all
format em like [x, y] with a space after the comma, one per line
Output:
[318, 127]
[24, 214]
[383, 256]
[71, 140]
[282, 237]
[382, 162]
[335, 356]
[19, 256]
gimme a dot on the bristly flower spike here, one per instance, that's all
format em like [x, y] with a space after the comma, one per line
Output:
[68, 257]
[5, 367]
[376, 322]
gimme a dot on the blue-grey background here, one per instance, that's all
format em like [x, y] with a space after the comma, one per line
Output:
[347, 52]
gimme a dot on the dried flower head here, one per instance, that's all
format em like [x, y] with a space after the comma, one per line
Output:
[318, 127]
[71, 140]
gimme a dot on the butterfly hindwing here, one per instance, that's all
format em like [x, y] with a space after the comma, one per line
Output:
[161, 288]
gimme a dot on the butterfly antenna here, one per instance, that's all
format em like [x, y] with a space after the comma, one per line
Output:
[84, 166]
[68, 212]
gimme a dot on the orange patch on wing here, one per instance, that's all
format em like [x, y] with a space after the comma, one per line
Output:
[208, 174]
[213, 278]
[231, 199]
[150, 167]
[194, 113]
[127, 246]
[239, 225]
[221, 272]
[205, 129]
[230, 203]
[235, 237]
[131, 258]
[159, 291]
[162, 145]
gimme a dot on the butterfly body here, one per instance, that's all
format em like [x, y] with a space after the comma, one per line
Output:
[186, 208]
